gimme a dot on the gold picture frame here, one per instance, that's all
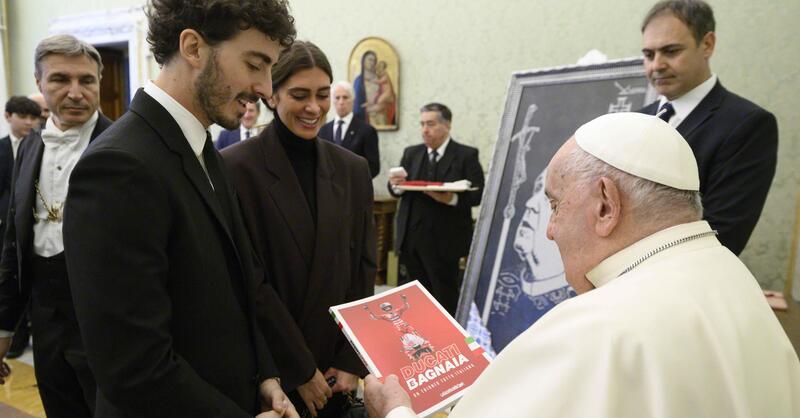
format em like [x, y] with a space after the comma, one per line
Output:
[374, 71]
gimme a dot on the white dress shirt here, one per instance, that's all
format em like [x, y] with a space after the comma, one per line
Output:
[685, 104]
[439, 154]
[62, 150]
[686, 333]
[192, 129]
[14, 144]
[347, 120]
[243, 132]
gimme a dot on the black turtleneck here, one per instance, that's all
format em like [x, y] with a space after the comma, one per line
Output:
[302, 155]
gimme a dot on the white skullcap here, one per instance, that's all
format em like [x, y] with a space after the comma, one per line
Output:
[642, 145]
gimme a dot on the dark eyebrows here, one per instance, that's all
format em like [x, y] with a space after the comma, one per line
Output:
[255, 54]
[661, 48]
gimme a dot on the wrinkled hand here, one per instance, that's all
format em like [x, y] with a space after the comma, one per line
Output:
[275, 403]
[315, 393]
[345, 382]
[441, 197]
[381, 398]
[395, 179]
[5, 370]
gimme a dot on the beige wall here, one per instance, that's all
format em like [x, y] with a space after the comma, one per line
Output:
[462, 52]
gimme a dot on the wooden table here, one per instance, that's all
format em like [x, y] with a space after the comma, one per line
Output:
[383, 209]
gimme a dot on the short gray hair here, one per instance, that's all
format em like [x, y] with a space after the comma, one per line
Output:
[67, 45]
[346, 85]
[649, 199]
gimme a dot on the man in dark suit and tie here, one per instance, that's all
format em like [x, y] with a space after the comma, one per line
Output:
[33, 265]
[246, 130]
[434, 229]
[352, 133]
[734, 140]
[22, 115]
[161, 268]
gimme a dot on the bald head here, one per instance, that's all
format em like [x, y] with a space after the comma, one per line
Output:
[39, 99]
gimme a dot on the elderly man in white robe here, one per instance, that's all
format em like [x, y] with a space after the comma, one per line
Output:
[667, 322]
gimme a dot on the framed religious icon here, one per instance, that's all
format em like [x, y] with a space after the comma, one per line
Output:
[374, 71]
[514, 273]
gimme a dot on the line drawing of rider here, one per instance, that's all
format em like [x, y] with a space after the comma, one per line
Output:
[414, 345]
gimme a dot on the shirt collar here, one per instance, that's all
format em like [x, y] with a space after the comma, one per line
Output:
[13, 138]
[685, 104]
[610, 268]
[192, 129]
[83, 131]
[252, 130]
[441, 149]
[347, 119]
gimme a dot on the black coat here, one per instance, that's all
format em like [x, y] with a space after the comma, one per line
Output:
[161, 272]
[15, 282]
[735, 143]
[452, 225]
[6, 173]
[310, 269]
[361, 138]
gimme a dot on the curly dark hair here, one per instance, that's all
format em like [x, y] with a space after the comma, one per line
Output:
[216, 21]
[302, 55]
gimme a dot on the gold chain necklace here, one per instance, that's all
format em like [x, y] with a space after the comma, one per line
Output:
[53, 211]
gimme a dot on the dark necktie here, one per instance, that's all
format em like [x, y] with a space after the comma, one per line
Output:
[246, 134]
[337, 136]
[432, 165]
[666, 111]
[217, 180]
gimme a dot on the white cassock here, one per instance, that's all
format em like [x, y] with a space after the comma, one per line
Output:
[686, 333]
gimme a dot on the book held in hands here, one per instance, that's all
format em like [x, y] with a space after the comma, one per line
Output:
[406, 332]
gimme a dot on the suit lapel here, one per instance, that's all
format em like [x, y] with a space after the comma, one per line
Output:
[284, 189]
[169, 131]
[703, 111]
[350, 135]
[444, 163]
[416, 163]
[25, 191]
[330, 214]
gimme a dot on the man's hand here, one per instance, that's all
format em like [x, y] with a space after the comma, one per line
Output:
[441, 197]
[381, 398]
[5, 370]
[397, 178]
[345, 382]
[315, 393]
[275, 403]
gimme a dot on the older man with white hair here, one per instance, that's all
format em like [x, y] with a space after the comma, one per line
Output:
[667, 321]
[354, 134]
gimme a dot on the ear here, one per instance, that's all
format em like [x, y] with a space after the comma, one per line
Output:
[272, 101]
[707, 44]
[608, 207]
[8, 115]
[193, 48]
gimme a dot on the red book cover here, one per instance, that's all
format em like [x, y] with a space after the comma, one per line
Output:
[406, 332]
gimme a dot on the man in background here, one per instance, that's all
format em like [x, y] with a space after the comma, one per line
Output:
[246, 130]
[434, 229]
[734, 140]
[22, 115]
[351, 133]
[39, 99]
[33, 265]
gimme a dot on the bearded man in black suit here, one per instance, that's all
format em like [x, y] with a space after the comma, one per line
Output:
[734, 140]
[161, 268]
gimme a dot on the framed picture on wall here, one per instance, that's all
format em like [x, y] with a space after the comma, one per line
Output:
[374, 71]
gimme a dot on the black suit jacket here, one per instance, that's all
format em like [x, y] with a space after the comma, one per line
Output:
[361, 138]
[310, 269]
[15, 282]
[735, 143]
[452, 225]
[161, 273]
[6, 173]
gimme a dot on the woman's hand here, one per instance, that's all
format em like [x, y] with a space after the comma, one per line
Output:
[315, 393]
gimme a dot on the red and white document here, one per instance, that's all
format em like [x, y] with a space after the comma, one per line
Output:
[406, 332]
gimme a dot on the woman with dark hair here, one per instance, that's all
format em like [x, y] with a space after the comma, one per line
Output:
[365, 86]
[307, 204]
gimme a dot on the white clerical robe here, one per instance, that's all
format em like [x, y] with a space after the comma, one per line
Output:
[686, 333]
